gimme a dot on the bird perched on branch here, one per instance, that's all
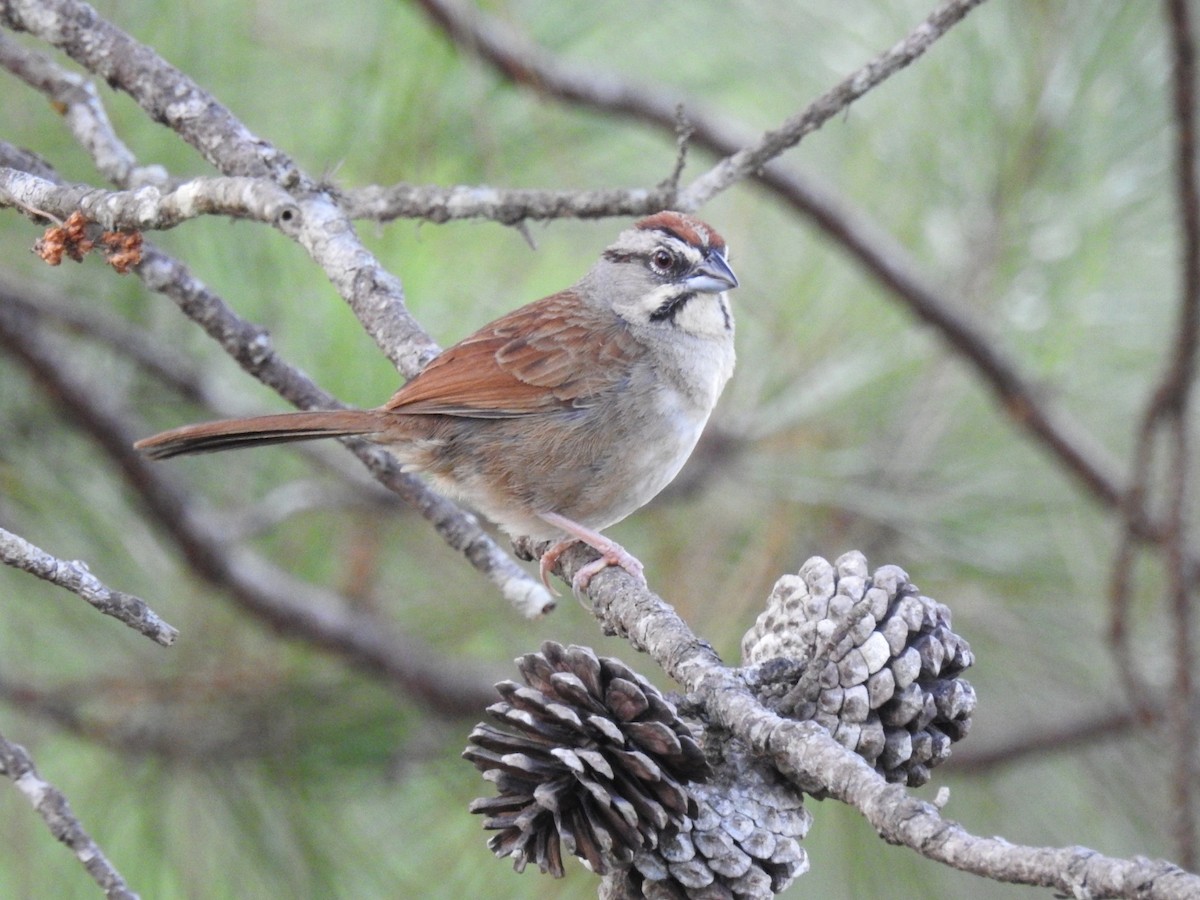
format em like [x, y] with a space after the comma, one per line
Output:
[562, 417]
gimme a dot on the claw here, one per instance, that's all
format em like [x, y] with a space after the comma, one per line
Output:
[546, 563]
[611, 553]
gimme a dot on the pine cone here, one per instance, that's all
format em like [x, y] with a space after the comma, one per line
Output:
[743, 843]
[590, 753]
[880, 663]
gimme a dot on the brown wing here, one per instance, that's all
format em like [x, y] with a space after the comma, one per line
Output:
[551, 354]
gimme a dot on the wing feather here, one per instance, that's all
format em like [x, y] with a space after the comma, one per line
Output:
[549, 355]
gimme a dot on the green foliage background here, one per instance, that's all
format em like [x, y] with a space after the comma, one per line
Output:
[1024, 162]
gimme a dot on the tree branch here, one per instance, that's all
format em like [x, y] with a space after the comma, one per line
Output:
[55, 810]
[508, 206]
[114, 332]
[753, 157]
[75, 576]
[25, 161]
[1085, 731]
[83, 112]
[149, 207]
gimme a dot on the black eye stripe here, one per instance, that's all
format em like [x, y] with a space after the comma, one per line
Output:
[683, 257]
[619, 256]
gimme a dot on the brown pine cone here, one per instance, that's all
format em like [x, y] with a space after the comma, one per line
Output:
[589, 752]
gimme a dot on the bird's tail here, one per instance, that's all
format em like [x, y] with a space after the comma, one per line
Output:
[228, 434]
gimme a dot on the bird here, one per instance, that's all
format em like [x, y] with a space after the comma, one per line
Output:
[561, 418]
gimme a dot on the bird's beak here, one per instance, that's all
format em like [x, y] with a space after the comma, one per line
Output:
[712, 276]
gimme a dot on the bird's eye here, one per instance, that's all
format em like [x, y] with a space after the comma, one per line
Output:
[662, 261]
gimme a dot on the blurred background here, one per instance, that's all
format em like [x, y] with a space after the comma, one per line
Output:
[1025, 165]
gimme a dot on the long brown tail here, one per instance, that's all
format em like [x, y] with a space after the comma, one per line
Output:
[277, 429]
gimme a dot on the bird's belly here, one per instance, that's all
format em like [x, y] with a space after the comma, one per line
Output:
[594, 465]
[622, 475]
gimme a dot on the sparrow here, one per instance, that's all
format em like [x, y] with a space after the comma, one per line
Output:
[562, 417]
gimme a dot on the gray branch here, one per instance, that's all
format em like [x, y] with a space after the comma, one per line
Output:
[750, 159]
[509, 206]
[149, 207]
[55, 810]
[111, 330]
[75, 576]
[84, 114]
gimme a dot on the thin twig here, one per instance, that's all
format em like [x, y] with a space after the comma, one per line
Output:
[1085, 732]
[753, 157]
[75, 576]
[54, 808]
[84, 114]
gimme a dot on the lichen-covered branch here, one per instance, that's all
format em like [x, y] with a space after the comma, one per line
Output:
[54, 808]
[148, 207]
[75, 576]
[508, 206]
[83, 112]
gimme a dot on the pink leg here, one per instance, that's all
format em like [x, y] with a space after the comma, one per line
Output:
[612, 553]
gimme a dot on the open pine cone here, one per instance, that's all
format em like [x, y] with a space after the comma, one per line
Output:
[879, 665]
[743, 843]
[590, 753]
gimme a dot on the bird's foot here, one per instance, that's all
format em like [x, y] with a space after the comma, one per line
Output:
[611, 553]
